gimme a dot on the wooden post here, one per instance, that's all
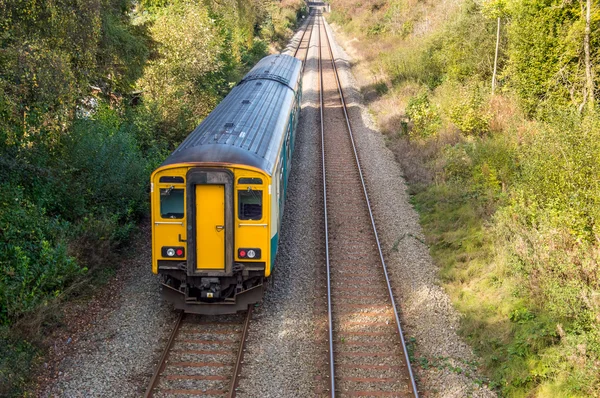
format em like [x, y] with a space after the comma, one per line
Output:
[496, 58]
[588, 64]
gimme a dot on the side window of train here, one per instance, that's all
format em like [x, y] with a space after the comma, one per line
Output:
[172, 202]
[295, 112]
[250, 204]
[299, 96]
[280, 185]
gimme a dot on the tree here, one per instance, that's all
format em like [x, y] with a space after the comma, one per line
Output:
[553, 47]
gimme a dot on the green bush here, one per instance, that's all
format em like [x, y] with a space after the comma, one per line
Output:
[469, 113]
[34, 264]
[460, 51]
[556, 211]
[550, 230]
[418, 62]
[17, 358]
[254, 53]
[545, 51]
[99, 185]
[280, 19]
[186, 76]
[424, 116]
[107, 172]
[466, 44]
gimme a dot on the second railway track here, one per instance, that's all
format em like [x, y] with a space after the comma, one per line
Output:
[368, 355]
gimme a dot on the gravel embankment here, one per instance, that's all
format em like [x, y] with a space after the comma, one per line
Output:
[282, 350]
[427, 312]
[116, 356]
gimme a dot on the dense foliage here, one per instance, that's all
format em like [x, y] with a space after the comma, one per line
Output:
[93, 95]
[506, 183]
[51, 52]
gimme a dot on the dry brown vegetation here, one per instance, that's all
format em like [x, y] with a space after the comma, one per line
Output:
[505, 183]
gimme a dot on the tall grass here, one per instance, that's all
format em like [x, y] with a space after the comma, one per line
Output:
[510, 205]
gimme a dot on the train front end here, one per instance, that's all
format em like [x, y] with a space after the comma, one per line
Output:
[211, 236]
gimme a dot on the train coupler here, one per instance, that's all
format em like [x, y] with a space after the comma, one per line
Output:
[210, 288]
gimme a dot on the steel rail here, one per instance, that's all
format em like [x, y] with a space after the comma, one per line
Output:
[312, 27]
[329, 310]
[163, 359]
[308, 23]
[240, 358]
[387, 279]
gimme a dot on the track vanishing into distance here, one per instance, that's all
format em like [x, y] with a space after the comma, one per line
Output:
[367, 351]
[204, 354]
[367, 354]
[301, 51]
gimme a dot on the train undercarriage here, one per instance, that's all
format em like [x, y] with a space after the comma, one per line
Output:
[213, 293]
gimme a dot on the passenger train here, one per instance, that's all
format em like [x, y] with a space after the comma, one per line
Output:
[217, 200]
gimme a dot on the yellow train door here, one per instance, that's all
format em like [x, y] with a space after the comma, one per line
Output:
[210, 227]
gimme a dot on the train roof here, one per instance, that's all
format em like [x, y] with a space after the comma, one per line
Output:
[247, 127]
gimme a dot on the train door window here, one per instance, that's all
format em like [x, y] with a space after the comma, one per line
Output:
[171, 202]
[250, 204]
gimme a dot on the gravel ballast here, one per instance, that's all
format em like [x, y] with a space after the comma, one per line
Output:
[282, 353]
[116, 357]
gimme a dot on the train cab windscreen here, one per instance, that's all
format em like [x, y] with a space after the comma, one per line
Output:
[171, 203]
[250, 204]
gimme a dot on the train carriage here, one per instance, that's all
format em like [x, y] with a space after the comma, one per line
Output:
[218, 199]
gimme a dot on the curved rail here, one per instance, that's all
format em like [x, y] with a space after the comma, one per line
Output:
[372, 219]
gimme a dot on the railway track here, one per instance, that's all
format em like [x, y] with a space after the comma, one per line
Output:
[203, 357]
[367, 351]
[301, 52]
[204, 354]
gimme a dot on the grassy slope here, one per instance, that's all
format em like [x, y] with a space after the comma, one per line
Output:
[472, 161]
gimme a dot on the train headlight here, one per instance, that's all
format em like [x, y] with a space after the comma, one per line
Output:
[175, 252]
[253, 254]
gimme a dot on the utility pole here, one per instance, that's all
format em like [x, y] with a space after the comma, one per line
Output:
[588, 63]
[496, 57]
